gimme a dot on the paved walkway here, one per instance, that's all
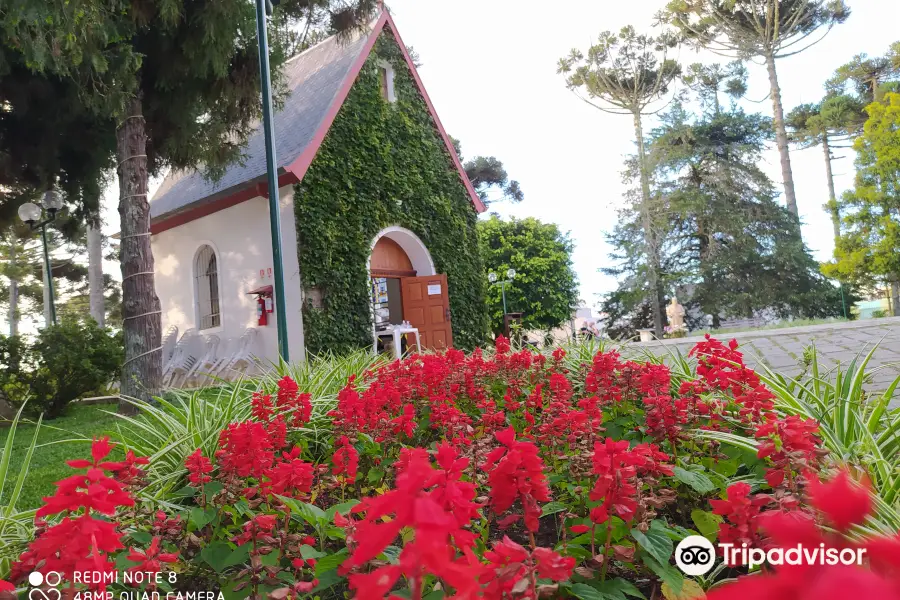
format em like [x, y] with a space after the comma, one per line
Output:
[782, 349]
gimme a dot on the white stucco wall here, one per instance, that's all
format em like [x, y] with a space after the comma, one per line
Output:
[241, 238]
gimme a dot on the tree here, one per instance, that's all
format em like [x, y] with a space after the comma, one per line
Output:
[867, 248]
[867, 74]
[830, 122]
[727, 248]
[627, 73]
[180, 81]
[487, 174]
[770, 29]
[545, 288]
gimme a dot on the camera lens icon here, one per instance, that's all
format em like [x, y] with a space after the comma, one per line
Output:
[695, 555]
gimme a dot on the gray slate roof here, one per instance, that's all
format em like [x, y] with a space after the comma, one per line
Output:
[314, 78]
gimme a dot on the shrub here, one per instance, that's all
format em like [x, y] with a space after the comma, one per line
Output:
[508, 475]
[66, 362]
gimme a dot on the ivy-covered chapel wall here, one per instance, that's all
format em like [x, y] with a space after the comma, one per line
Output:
[382, 164]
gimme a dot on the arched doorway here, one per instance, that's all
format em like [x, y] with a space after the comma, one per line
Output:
[405, 287]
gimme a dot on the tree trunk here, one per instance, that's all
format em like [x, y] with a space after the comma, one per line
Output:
[95, 271]
[781, 138]
[13, 291]
[832, 205]
[142, 371]
[656, 301]
[895, 297]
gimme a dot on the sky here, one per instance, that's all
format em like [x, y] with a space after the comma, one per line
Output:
[490, 68]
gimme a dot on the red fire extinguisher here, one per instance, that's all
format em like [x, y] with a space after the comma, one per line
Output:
[261, 312]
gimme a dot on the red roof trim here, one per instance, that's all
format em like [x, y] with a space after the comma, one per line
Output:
[242, 195]
[297, 169]
[302, 162]
[476, 201]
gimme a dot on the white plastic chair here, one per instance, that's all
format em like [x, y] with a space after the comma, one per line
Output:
[224, 355]
[202, 366]
[244, 358]
[168, 346]
[183, 358]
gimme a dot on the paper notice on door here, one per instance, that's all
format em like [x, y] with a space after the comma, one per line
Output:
[434, 289]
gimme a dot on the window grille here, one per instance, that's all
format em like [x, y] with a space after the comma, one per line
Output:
[207, 276]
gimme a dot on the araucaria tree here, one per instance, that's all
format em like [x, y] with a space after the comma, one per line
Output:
[767, 29]
[829, 124]
[545, 288]
[630, 74]
[180, 79]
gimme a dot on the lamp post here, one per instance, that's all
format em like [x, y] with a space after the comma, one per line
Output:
[492, 278]
[31, 213]
[264, 8]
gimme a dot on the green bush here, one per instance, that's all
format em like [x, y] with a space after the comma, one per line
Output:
[65, 362]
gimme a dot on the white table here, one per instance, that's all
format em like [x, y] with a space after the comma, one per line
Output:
[398, 331]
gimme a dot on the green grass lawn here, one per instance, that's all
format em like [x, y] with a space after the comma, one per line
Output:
[59, 440]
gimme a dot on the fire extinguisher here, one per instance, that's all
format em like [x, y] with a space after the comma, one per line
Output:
[261, 313]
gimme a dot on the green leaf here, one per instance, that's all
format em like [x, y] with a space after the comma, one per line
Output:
[669, 575]
[327, 579]
[307, 551]
[619, 585]
[698, 481]
[707, 523]
[375, 475]
[551, 508]
[220, 555]
[212, 488]
[201, 517]
[586, 592]
[435, 595]
[185, 492]
[611, 589]
[142, 537]
[656, 541]
[343, 508]
[332, 561]
[309, 513]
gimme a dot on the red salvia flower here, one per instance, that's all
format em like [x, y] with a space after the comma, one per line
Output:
[345, 460]
[245, 449]
[151, 559]
[516, 472]
[261, 406]
[741, 512]
[198, 467]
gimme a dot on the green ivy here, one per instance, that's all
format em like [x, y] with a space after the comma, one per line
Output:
[383, 164]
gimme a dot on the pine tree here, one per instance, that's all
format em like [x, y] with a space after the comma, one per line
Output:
[728, 248]
[770, 29]
[831, 124]
[627, 73]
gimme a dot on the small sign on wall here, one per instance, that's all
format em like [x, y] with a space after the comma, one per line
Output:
[434, 289]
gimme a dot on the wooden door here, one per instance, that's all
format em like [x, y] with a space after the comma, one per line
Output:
[426, 305]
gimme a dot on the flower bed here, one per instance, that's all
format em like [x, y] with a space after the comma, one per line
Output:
[502, 476]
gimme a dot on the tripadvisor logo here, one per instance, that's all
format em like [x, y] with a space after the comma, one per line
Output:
[695, 555]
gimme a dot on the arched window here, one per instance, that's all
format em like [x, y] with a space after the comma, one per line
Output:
[206, 274]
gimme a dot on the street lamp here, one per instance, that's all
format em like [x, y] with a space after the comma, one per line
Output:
[492, 278]
[264, 9]
[31, 213]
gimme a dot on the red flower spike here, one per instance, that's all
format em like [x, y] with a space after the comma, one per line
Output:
[843, 502]
[198, 467]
